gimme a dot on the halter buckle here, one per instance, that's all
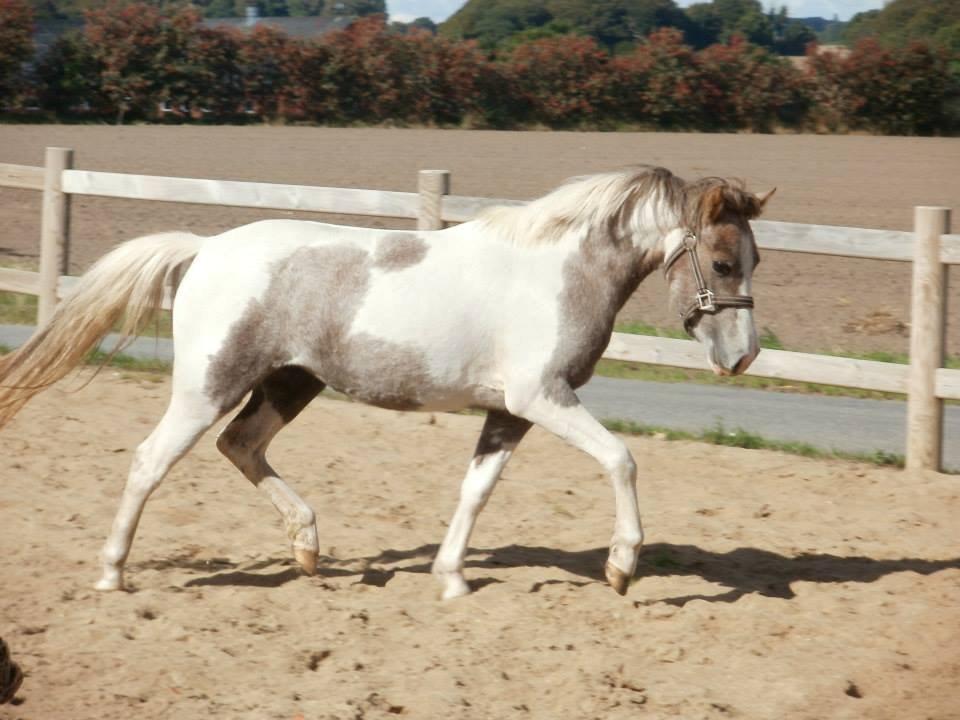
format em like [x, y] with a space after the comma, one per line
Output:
[706, 301]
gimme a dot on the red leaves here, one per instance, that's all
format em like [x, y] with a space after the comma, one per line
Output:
[561, 81]
[134, 57]
[903, 90]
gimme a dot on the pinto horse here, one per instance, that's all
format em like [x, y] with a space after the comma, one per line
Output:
[507, 313]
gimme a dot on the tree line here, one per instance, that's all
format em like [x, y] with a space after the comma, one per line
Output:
[138, 62]
[617, 25]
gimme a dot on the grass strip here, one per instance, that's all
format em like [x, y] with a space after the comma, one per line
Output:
[719, 435]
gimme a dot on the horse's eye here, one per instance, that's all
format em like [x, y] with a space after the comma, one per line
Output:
[721, 268]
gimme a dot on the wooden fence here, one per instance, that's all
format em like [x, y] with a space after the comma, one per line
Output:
[930, 248]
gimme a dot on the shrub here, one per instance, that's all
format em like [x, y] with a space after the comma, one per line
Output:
[560, 81]
[16, 47]
[658, 82]
[898, 91]
[742, 86]
[272, 73]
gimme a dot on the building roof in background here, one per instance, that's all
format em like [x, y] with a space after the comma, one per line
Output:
[46, 32]
[298, 27]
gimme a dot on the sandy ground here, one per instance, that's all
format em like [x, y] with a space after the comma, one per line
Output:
[812, 303]
[770, 586]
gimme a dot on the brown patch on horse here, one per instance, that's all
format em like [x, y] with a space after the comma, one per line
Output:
[307, 313]
[289, 390]
[598, 280]
[399, 251]
[500, 430]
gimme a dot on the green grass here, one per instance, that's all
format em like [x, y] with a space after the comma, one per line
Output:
[126, 362]
[119, 361]
[719, 435]
[17, 309]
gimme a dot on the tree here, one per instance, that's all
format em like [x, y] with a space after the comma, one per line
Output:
[903, 21]
[16, 45]
[614, 24]
[69, 76]
[791, 37]
[706, 25]
[720, 20]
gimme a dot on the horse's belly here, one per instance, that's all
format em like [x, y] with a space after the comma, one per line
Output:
[403, 376]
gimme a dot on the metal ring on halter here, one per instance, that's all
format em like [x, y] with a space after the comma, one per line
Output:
[705, 300]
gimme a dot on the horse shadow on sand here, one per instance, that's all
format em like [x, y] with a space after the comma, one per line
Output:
[744, 571]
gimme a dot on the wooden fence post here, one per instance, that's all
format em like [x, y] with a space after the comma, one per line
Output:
[432, 185]
[927, 329]
[54, 230]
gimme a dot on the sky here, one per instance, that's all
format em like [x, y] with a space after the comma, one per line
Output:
[439, 10]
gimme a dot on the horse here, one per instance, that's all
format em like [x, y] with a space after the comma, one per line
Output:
[508, 313]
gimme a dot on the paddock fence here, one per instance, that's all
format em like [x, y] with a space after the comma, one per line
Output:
[930, 248]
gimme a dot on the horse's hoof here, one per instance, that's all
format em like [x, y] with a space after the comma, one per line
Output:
[617, 578]
[307, 560]
[454, 586]
[10, 675]
[108, 584]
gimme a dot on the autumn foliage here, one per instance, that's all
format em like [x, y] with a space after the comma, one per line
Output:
[16, 46]
[140, 62]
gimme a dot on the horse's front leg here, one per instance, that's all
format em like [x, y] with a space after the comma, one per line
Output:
[560, 412]
[501, 434]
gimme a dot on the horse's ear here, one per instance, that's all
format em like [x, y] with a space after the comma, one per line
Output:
[714, 203]
[763, 197]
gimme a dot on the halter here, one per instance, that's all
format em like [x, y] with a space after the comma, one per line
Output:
[705, 300]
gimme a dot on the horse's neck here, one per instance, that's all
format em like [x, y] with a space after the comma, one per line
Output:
[615, 266]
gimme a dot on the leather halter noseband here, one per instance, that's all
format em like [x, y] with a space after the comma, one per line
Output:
[706, 301]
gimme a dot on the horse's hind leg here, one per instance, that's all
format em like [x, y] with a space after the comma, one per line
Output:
[500, 436]
[189, 414]
[277, 400]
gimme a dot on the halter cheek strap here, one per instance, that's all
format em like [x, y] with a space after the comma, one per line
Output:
[705, 301]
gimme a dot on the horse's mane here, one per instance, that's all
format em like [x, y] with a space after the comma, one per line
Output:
[610, 201]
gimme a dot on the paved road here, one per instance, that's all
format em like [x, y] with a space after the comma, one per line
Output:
[847, 424]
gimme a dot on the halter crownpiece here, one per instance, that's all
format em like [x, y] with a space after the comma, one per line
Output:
[705, 300]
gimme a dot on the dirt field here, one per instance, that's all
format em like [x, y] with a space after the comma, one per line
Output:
[811, 302]
[770, 587]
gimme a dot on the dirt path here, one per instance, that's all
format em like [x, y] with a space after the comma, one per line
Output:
[770, 587]
[810, 302]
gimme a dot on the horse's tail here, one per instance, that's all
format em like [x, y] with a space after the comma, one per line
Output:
[126, 286]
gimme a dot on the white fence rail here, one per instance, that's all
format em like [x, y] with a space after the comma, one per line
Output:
[931, 248]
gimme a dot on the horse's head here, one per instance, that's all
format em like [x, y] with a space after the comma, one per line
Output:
[709, 264]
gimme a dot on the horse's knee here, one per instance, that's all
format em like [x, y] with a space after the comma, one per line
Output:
[620, 463]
